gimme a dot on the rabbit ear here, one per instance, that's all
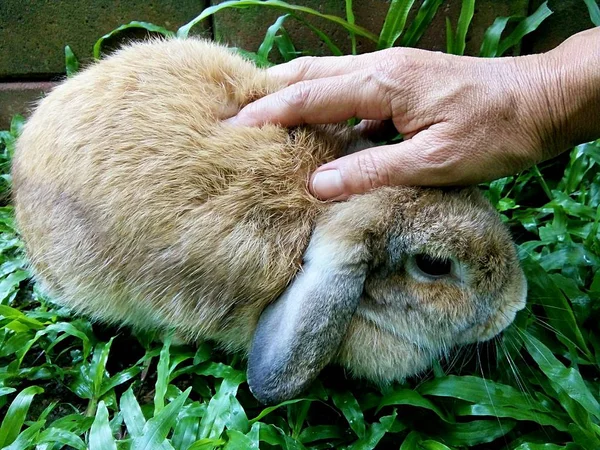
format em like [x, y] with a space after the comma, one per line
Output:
[301, 331]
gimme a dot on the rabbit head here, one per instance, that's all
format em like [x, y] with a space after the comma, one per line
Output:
[391, 280]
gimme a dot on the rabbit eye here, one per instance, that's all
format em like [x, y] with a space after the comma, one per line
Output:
[433, 267]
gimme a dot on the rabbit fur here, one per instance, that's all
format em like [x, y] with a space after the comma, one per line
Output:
[140, 206]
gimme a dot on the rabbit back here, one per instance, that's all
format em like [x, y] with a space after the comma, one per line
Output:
[138, 204]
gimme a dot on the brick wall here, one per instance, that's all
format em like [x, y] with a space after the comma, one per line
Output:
[33, 33]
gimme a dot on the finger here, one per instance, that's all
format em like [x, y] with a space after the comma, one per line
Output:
[326, 100]
[423, 160]
[314, 67]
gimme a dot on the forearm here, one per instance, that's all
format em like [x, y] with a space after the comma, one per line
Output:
[570, 91]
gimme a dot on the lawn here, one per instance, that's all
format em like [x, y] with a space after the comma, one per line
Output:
[69, 383]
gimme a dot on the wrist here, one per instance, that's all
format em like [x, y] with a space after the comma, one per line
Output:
[567, 92]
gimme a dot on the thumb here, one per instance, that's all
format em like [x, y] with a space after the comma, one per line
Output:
[413, 162]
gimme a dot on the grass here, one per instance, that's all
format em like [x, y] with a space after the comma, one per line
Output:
[68, 383]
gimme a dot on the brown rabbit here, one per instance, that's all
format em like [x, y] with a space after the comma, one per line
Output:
[140, 206]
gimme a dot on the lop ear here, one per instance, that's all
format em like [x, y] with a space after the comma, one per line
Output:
[301, 331]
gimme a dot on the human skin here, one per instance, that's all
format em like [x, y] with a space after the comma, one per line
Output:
[464, 119]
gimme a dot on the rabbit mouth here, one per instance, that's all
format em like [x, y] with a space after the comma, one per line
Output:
[365, 312]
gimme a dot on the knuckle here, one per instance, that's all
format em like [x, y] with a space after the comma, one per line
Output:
[303, 65]
[441, 162]
[371, 173]
[297, 96]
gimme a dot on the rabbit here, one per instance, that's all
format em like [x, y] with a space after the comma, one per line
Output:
[139, 205]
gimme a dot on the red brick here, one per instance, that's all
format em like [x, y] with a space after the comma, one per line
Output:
[19, 98]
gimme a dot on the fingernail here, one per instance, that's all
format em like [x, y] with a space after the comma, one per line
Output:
[327, 184]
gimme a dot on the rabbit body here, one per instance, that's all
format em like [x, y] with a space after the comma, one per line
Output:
[138, 205]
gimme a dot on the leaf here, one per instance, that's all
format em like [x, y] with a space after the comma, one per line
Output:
[186, 429]
[27, 438]
[374, 434]
[594, 11]
[464, 22]
[101, 437]
[359, 31]
[525, 27]
[71, 62]
[553, 419]
[59, 436]
[491, 38]
[162, 375]
[156, 429]
[543, 291]
[135, 24]
[11, 283]
[16, 125]
[269, 40]
[350, 408]
[394, 23]
[423, 19]
[132, 414]
[475, 432]
[567, 379]
[321, 432]
[206, 444]
[334, 49]
[401, 396]
[350, 19]
[433, 445]
[223, 409]
[15, 415]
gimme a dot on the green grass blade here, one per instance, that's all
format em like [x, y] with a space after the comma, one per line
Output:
[423, 19]
[157, 428]
[222, 409]
[101, 437]
[285, 46]
[553, 418]
[132, 414]
[71, 62]
[239, 441]
[449, 36]
[16, 125]
[544, 291]
[350, 19]
[267, 44]
[162, 375]
[206, 444]
[15, 415]
[359, 31]
[594, 11]
[412, 441]
[59, 436]
[464, 22]
[433, 445]
[27, 438]
[374, 434]
[527, 25]
[394, 23]
[185, 432]
[402, 396]
[334, 49]
[567, 378]
[350, 408]
[135, 24]
[478, 390]
[491, 38]
[474, 433]
[98, 366]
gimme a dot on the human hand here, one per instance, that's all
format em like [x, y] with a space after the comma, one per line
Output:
[464, 120]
